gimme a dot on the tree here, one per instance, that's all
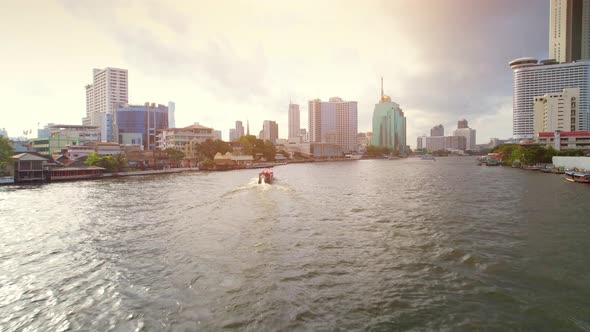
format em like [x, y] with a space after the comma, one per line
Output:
[120, 162]
[209, 148]
[92, 159]
[6, 152]
[375, 151]
[175, 155]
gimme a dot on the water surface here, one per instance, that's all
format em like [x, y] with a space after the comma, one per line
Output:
[364, 245]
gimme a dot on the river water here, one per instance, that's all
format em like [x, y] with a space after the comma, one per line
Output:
[363, 245]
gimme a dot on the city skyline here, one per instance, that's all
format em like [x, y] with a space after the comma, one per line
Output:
[245, 62]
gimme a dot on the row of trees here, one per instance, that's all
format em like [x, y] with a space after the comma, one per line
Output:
[532, 154]
[114, 163]
[253, 146]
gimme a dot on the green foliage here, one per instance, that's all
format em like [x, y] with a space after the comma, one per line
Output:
[209, 148]
[375, 151]
[6, 151]
[116, 163]
[531, 154]
[175, 155]
[252, 146]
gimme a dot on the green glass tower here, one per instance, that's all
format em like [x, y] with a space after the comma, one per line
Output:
[389, 124]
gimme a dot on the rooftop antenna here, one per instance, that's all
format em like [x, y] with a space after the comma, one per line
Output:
[381, 88]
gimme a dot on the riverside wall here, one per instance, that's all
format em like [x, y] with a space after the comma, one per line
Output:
[571, 162]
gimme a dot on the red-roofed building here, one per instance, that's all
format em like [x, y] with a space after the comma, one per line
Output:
[566, 139]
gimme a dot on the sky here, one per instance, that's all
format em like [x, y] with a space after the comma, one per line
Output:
[222, 61]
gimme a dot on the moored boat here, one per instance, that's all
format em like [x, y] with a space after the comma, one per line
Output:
[266, 176]
[577, 177]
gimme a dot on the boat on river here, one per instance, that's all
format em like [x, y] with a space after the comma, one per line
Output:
[266, 176]
[427, 157]
[577, 177]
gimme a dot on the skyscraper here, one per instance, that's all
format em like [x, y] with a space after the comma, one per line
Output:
[462, 124]
[109, 89]
[171, 107]
[334, 122]
[437, 130]
[569, 30]
[239, 129]
[389, 124]
[534, 78]
[468, 133]
[294, 124]
[270, 131]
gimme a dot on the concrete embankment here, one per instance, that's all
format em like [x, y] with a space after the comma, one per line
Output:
[151, 172]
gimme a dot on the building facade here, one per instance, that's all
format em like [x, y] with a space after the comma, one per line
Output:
[437, 130]
[389, 125]
[270, 131]
[533, 78]
[109, 90]
[171, 110]
[334, 122]
[462, 124]
[180, 138]
[437, 143]
[565, 140]
[140, 122]
[569, 24]
[294, 123]
[62, 136]
[557, 111]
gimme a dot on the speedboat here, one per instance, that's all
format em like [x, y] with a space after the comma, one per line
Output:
[265, 176]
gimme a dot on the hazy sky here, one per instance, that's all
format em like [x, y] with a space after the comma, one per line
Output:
[223, 61]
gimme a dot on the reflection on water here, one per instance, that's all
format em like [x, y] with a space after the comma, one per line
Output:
[377, 245]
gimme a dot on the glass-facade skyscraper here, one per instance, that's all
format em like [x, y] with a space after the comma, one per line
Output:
[389, 124]
[140, 124]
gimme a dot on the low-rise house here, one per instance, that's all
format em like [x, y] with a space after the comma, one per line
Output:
[154, 159]
[27, 167]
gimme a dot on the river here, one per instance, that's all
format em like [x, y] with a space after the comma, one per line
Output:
[373, 245]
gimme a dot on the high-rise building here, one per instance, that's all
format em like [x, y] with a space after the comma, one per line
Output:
[436, 143]
[569, 27]
[462, 124]
[294, 124]
[334, 122]
[171, 108]
[437, 130]
[239, 129]
[232, 135]
[270, 131]
[139, 124]
[109, 90]
[533, 79]
[3, 132]
[470, 138]
[557, 111]
[389, 124]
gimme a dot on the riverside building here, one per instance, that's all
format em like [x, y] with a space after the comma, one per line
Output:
[389, 124]
[334, 122]
[139, 124]
[557, 111]
[437, 130]
[534, 78]
[294, 123]
[469, 134]
[108, 90]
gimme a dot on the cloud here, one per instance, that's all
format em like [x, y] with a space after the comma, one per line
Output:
[442, 60]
